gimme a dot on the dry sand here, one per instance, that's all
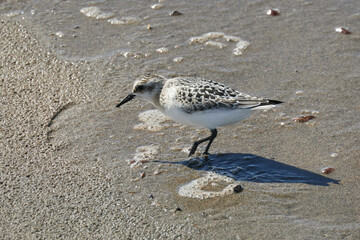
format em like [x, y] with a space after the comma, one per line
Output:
[47, 192]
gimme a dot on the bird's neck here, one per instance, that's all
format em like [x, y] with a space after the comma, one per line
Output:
[156, 97]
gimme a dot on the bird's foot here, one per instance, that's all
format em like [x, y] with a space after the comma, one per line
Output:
[205, 154]
[193, 150]
[191, 153]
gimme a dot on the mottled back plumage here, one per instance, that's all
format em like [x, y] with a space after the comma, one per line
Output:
[197, 94]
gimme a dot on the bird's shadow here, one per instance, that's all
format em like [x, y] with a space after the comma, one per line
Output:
[252, 168]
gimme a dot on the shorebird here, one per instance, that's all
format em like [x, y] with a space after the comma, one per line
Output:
[197, 102]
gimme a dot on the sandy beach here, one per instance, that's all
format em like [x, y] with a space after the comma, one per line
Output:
[73, 166]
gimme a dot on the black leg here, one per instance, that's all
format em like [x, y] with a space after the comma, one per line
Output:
[210, 139]
[213, 136]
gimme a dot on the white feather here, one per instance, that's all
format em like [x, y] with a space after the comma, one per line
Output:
[209, 118]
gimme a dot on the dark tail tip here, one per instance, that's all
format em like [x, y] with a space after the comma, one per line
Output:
[274, 102]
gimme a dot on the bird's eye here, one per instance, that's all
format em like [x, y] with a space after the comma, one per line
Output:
[140, 87]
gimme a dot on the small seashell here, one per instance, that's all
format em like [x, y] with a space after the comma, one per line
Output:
[303, 118]
[175, 13]
[273, 12]
[342, 30]
[157, 6]
[327, 170]
[178, 59]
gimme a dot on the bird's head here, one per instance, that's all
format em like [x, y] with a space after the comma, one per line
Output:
[147, 87]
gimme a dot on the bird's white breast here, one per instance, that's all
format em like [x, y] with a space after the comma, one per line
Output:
[209, 118]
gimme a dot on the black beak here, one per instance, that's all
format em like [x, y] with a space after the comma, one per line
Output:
[128, 98]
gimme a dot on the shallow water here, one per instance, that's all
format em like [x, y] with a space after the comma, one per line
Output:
[296, 57]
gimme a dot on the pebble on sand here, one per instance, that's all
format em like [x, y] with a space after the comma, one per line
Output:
[342, 30]
[273, 12]
[327, 170]
[175, 13]
[238, 189]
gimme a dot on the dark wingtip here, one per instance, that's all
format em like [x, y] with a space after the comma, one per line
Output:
[274, 102]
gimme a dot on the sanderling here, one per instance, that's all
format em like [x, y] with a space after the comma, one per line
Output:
[197, 102]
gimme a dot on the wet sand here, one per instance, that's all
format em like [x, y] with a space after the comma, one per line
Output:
[66, 151]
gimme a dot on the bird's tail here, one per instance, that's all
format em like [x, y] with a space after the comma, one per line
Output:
[267, 105]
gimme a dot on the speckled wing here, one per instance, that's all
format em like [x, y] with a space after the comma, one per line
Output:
[196, 94]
